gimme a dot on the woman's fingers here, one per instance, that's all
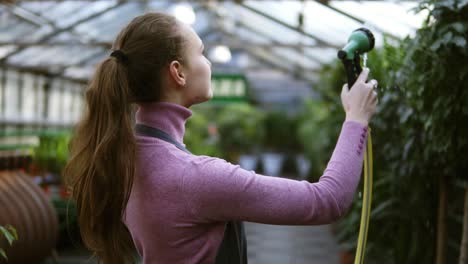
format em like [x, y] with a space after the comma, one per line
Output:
[363, 76]
[374, 83]
[374, 96]
[360, 101]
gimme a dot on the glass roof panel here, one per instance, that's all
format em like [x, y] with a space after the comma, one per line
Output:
[6, 49]
[324, 55]
[38, 33]
[7, 20]
[203, 21]
[268, 56]
[292, 56]
[322, 21]
[38, 7]
[78, 72]
[31, 56]
[84, 10]
[288, 12]
[392, 17]
[14, 28]
[53, 55]
[300, 59]
[65, 37]
[263, 38]
[106, 26]
[62, 9]
[160, 5]
[265, 26]
[252, 36]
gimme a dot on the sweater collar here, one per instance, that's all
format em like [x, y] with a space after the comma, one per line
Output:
[168, 117]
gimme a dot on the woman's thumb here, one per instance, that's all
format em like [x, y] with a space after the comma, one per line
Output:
[344, 94]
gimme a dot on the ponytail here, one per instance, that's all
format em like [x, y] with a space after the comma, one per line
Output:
[101, 168]
[103, 150]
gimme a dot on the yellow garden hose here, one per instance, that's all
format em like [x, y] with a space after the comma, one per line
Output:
[359, 43]
[366, 202]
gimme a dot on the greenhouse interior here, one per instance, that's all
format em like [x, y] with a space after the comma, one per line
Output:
[276, 114]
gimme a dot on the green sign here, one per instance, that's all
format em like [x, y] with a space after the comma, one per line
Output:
[229, 88]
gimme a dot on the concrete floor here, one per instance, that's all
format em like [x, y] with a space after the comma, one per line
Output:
[271, 244]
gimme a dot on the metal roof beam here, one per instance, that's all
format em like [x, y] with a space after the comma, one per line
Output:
[213, 10]
[60, 30]
[327, 5]
[278, 44]
[108, 45]
[256, 52]
[25, 15]
[33, 17]
[297, 29]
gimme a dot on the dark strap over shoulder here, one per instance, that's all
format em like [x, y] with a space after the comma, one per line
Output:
[158, 133]
[233, 248]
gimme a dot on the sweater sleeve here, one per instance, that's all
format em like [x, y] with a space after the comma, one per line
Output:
[220, 191]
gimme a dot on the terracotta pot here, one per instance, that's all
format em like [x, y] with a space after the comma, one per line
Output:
[26, 207]
[346, 257]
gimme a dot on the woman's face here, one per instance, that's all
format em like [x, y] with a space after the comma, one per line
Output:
[197, 68]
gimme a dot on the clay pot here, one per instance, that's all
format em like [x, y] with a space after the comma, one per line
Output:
[26, 207]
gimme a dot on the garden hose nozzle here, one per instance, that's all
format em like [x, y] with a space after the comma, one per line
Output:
[361, 41]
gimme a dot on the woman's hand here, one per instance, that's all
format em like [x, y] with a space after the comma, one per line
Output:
[360, 103]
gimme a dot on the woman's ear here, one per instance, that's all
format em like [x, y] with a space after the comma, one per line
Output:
[177, 73]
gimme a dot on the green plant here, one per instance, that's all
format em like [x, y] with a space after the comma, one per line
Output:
[280, 132]
[52, 152]
[9, 232]
[69, 234]
[420, 141]
[240, 129]
[434, 75]
[201, 136]
[313, 132]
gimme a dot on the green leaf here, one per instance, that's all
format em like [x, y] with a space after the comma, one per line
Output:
[450, 4]
[2, 252]
[381, 207]
[459, 27]
[436, 45]
[459, 41]
[462, 4]
[10, 233]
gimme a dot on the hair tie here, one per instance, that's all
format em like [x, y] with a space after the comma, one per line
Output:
[120, 56]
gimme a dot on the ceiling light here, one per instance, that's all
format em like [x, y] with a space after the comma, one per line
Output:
[184, 12]
[220, 54]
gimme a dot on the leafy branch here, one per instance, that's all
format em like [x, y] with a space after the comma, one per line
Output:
[9, 232]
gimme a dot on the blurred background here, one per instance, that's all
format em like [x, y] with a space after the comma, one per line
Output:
[276, 110]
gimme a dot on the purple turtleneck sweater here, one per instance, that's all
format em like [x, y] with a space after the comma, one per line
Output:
[180, 202]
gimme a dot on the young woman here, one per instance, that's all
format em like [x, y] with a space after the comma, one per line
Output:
[137, 190]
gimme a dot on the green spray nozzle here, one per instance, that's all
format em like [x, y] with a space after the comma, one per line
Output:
[361, 41]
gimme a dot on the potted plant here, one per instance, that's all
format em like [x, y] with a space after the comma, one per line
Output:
[51, 155]
[201, 135]
[240, 130]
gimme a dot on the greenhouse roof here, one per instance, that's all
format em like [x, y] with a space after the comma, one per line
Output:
[68, 38]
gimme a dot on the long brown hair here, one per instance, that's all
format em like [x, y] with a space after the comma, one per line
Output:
[103, 149]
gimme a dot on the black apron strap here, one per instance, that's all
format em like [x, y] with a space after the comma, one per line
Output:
[158, 133]
[233, 248]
